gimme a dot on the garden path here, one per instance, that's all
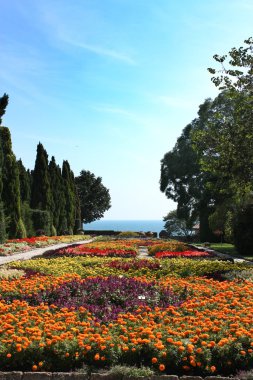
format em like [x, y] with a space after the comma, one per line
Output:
[36, 252]
[143, 253]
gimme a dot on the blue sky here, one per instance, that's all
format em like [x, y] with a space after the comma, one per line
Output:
[110, 84]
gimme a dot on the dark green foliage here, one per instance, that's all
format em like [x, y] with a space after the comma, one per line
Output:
[11, 186]
[94, 196]
[58, 195]
[70, 195]
[183, 181]
[20, 230]
[243, 231]
[41, 222]
[225, 143]
[2, 224]
[25, 182]
[4, 100]
[27, 218]
[41, 196]
[53, 231]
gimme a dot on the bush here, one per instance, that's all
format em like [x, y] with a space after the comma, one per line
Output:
[20, 230]
[128, 234]
[53, 231]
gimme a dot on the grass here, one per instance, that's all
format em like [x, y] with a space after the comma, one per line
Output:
[226, 248]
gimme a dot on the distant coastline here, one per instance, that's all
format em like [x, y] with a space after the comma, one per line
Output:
[126, 225]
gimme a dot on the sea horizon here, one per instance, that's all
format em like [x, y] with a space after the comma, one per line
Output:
[137, 225]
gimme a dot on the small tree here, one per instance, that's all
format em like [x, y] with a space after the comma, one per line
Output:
[177, 226]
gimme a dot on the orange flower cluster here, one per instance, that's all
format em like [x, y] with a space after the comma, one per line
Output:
[211, 332]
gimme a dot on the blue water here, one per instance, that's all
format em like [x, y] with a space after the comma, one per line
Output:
[126, 225]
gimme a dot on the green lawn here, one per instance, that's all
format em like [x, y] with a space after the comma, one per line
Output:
[225, 248]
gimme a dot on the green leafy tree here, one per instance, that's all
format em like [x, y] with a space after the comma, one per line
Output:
[4, 100]
[183, 181]
[229, 151]
[94, 196]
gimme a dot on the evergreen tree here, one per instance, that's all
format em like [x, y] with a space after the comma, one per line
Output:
[58, 196]
[70, 198]
[41, 195]
[3, 104]
[25, 183]
[11, 187]
[4, 100]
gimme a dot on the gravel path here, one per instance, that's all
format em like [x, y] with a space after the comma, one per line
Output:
[36, 252]
[143, 253]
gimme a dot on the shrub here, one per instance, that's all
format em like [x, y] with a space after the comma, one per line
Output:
[128, 234]
[53, 231]
[20, 230]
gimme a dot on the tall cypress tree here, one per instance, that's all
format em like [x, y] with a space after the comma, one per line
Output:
[11, 187]
[58, 196]
[2, 217]
[3, 104]
[4, 100]
[25, 183]
[41, 195]
[70, 198]
[25, 195]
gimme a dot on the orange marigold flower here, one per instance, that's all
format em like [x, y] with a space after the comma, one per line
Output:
[66, 355]
[161, 367]
[9, 355]
[34, 367]
[213, 368]
[154, 360]
[97, 357]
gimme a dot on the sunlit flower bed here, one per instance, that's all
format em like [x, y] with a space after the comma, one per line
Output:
[172, 245]
[97, 266]
[109, 249]
[193, 254]
[210, 332]
[67, 312]
[23, 245]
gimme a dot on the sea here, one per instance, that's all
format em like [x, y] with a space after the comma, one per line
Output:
[126, 225]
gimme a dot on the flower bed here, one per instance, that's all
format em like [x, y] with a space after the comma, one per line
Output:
[193, 254]
[211, 332]
[99, 312]
[97, 266]
[96, 249]
[21, 245]
[172, 245]
[104, 297]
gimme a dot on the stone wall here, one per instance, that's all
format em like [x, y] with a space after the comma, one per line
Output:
[16, 375]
